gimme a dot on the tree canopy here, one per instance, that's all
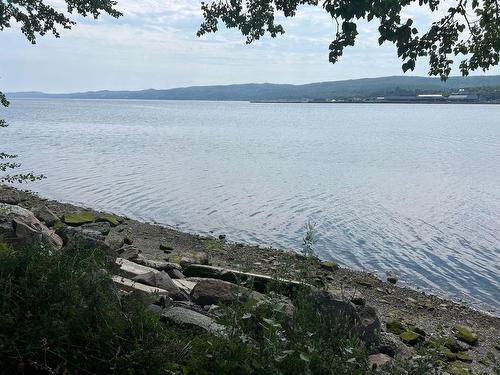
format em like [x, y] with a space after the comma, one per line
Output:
[469, 29]
[36, 17]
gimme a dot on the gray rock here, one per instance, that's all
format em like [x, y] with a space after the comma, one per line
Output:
[175, 273]
[392, 277]
[163, 281]
[129, 252]
[115, 240]
[157, 264]
[378, 362]
[102, 227]
[185, 317]
[82, 238]
[20, 226]
[46, 215]
[216, 292]
[391, 345]
[10, 196]
[368, 326]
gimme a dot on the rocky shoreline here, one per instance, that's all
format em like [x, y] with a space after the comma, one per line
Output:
[407, 316]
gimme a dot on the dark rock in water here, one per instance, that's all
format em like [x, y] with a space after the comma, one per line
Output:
[465, 334]
[186, 317]
[222, 237]
[392, 277]
[216, 292]
[378, 362]
[20, 226]
[163, 281]
[44, 214]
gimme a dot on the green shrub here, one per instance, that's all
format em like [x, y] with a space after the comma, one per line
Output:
[60, 312]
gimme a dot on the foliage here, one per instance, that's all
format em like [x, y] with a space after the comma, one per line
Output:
[60, 313]
[470, 28]
[38, 17]
[263, 339]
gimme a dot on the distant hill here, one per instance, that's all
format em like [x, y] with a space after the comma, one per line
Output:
[356, 88]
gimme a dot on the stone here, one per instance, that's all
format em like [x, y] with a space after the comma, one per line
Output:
[185, 317]
[175, 273]
[391, 345]
[222, 237]
[162, 280]
[82, 238]
[216, 292]
[129, 252]
[115, 240]
[108, 218]
[395, 326]
[329, 265]
[367, 328]
[186, 258]
[45, 214]
[455, 346]
[392, 277]
[101, 227]
[465, 334]
[410, 337]
[380, 361]
[128, 240]
[166, 246]
[447, 353]
[78, 218]
[10, 196]
[20, 226]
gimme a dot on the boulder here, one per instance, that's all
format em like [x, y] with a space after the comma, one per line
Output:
[378, 362]
[367, 328]
[20, 226]
[115, 240]
[157, 264]
[391, 345]
[108, 218]
[163, 281]
[190, 318]
[455, 346]
[410, 337]
[9, 195]
[392, 277]
[175, 273]
[45, 214]
[216, 292]
[395, 326]
[78, 218]
[129, 252]
[82, 238]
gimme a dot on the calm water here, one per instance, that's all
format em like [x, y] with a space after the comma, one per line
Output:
[415, 189]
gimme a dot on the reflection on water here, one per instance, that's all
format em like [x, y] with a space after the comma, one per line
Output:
[409, 188]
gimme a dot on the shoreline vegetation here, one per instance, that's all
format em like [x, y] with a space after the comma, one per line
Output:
[259, 310]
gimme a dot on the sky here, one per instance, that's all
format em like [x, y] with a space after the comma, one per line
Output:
[154, 45]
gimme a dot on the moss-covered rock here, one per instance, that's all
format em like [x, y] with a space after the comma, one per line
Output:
[58, 224]
[78, 218]
[410, 337]
[329, 265]
[395, 326]
[465, 334]
[166, 246]
[464, 357]
[447, 354]
[456, 368]
[107, 218]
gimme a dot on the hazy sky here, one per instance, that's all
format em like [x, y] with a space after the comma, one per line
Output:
[154, 45]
